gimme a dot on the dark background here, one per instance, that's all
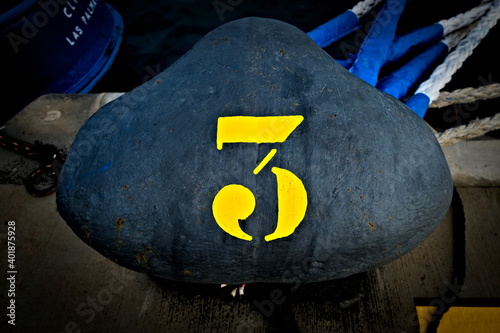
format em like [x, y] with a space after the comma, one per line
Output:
[158, 32]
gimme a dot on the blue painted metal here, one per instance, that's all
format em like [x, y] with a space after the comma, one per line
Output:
[57, 46]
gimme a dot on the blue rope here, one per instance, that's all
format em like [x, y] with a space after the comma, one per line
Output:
[335, 29]
[376, 47]
[347, 63]
[419, 104]
[382, 47]
[399, 82]
[415, 40]
[402, 45]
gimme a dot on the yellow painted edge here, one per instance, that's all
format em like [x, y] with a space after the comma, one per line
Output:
[424, 314]
[250, 129]
[232, 203]
[292, 203]
[462, 319]
[266, 160]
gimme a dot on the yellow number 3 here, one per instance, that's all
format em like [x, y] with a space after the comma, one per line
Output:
[236, 202]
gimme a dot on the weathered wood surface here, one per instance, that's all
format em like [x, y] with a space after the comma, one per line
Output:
[63, 282]
[475, 162]
[64, 285]
[482, 230]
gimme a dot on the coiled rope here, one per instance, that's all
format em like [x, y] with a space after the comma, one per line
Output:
[466, 95]
[464, 19]
[382, 47]
[399, 82]
[363, 7]
[472, 130]
[341, 25]
[429, 90]
[423, 37]
[376, 48]
[475, 128]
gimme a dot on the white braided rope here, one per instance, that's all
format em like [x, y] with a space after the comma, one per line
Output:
[364, 7]
[455, 37]
[443, 73]
[472, 130]
[466, 95]
[464, 19]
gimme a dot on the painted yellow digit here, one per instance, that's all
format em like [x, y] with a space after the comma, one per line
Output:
[236, 202]
[233, 203]
[266, 160]
[239, 129]
[292, 203]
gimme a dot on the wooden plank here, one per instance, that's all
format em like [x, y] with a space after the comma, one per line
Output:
[64, 285]
[381, 300]
[474, 162]
[61, 278]
[65, 278]
[482, 214]
[51, 119]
